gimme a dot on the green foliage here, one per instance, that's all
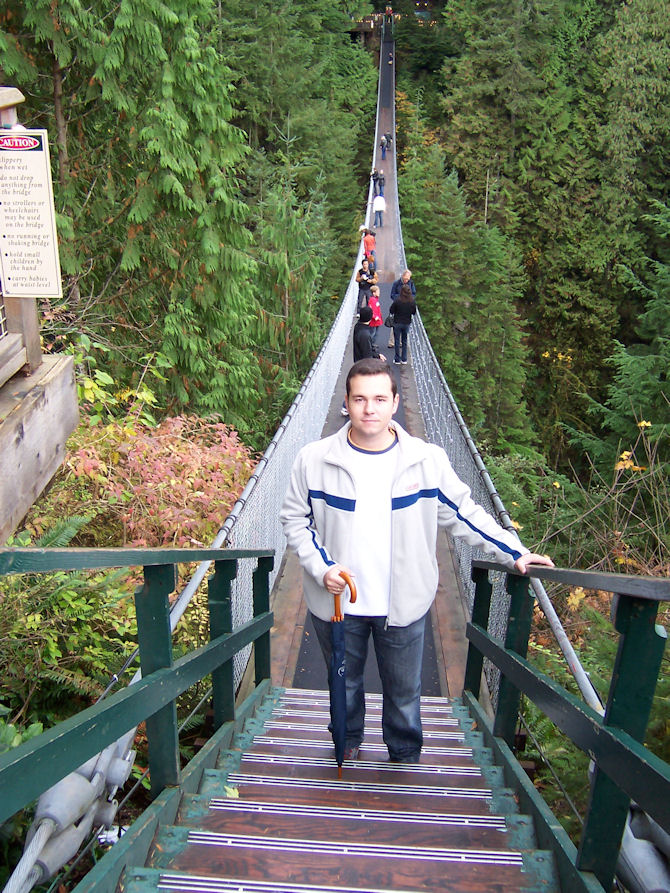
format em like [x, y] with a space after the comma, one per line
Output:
[156, 188]
[638, 397]
[11, 737]
[585, 618]
[59, 635]
[172, 484]
[469, 276]
[551, 114]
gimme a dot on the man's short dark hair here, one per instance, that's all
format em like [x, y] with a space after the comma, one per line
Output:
[365, 314]
[372, 366]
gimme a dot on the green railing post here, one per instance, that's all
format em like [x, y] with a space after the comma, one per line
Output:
[220, 623]
[261, 583]
[155, 640]
[518, 630]
[636, 669]
[480, 616]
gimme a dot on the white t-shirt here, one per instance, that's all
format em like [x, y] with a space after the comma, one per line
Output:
[370, 555]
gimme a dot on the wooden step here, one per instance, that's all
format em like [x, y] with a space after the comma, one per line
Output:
[323, 749]
[388, 826]
[334, 863]
[342, 792]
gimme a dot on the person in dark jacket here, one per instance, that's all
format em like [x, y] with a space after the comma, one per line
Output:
[364, 346]
[365, 278]
[404, 279]
[403, 309]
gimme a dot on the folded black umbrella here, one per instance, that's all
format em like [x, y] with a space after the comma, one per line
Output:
[337, 677]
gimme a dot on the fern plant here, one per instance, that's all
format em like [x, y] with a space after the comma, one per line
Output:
[60, 634]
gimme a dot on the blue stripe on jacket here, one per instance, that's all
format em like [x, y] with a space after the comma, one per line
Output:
[336, 502]
[402, 502]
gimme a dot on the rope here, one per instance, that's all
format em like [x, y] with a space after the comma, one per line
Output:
[26, 871]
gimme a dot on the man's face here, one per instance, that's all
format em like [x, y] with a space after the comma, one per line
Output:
[406, 277]
[371, 406]
[365, 265]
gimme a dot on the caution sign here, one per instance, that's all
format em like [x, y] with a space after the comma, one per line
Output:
[29, 264]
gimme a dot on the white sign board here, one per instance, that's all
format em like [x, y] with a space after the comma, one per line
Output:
[29, 264]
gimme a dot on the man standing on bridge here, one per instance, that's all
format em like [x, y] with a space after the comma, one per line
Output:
[368, 500]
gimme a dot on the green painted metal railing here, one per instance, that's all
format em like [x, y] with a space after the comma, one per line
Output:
[624, 769]
[28, 770]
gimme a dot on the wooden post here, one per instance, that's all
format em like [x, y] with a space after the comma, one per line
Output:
[636, 669]
[261, 586]
[152, 607]
[480, 616]
[220, 623]
[518, 631]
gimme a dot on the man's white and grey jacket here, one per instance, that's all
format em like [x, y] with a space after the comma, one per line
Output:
[426, 494]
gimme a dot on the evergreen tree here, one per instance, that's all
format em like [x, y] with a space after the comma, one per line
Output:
[639, 395]
[152, 228]
[468, 278]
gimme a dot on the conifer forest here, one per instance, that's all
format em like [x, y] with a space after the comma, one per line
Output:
[211, 162]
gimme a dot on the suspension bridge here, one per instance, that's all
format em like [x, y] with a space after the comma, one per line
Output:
[259, 807]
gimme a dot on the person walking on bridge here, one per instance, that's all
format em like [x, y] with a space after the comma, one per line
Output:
[369, 500]
[404, 279]
[379, 206]
[403, 309]
[365, 278]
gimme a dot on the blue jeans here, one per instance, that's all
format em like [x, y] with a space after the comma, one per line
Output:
[378, 219]
[400, 330]
[399, 652]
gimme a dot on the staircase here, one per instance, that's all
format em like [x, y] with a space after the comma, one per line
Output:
[273, 816]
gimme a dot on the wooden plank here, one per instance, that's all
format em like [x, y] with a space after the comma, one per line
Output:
[358, 871]
[20, 561]
[357, 827]
[37, 415]
[655, 588]
[12, 357]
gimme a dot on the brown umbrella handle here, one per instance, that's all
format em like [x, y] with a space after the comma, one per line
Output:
[338, 615]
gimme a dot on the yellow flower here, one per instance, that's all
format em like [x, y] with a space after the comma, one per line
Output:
[557, 485]
[642, 425]
[626, 454]
[575, 597]
[517, 526]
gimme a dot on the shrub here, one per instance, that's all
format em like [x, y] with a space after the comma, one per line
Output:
[172, 485]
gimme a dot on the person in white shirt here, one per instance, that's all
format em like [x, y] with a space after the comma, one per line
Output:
[368, 500]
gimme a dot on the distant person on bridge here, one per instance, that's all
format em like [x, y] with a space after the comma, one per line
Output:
[379, 206]
[404, 279]
[381, 181]
[363, 341]
[377, 316]
[383, 143]
[369, 500]
[374, 176]
[370, 248]
[365, 278]
[403, 309]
